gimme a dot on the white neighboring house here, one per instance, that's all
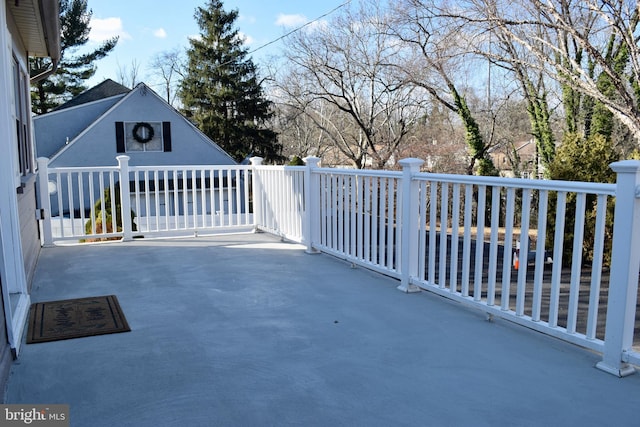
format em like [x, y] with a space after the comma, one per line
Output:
[27, 28]
[109, 120]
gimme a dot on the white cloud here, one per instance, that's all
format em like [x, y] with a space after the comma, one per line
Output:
[103, 29]
[246, 39]
[160, 33]
[291, 20]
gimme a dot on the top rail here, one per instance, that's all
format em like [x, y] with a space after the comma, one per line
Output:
[533, 184]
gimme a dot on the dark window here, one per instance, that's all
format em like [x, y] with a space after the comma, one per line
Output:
[143, 136]
[26, 162]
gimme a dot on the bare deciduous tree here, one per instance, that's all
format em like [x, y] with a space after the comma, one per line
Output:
[168, 67]
[348, 88]
[129, 76]
[439, 61]
[589, 46]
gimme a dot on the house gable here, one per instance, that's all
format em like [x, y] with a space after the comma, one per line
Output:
[98, 144]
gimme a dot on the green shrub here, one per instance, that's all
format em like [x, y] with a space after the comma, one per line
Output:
[296, 161]
[587, 160]
[107, 227]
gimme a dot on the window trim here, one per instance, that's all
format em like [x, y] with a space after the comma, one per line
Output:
[121, 136]
[21, 112]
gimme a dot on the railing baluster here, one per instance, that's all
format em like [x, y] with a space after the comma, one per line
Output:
[540, 256]
[493, 245]
[238, 189]
[375, 198]
[147, 201]
[556, 272]
[340, 212]
[422, 233]
[524, 251]
[203, 197]
[576, 263]
[455, 228]
[144, 219]
[444, 220]
[70, 200]
[212, 196]
[477, 276]
[466, 250]
[103, 213]
[596, 266]
[81, 199]
[112, 197]
[354, 193]
[383, 224]
[230, 197]
[194, 198]
[365, 234]
[158, 196]
[508, 248]
[92, 203]
[176, 199]
[60, 205]
[391, 224]
[433, 231]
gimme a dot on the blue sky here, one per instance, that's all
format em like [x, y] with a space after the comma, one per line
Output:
[148, 27]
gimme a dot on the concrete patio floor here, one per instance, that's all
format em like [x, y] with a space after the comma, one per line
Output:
[245, 330]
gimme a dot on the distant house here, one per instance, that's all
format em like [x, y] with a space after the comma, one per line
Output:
[109, 120]
[27, 28]
[523, 155]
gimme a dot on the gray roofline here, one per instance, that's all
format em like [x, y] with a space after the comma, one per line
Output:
[78, 106]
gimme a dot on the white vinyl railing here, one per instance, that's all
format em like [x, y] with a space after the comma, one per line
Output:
[80, 202]
[164, 200]
[193, 198]
[513, 248]
[278, 198]
[360, 217]
[465, 250]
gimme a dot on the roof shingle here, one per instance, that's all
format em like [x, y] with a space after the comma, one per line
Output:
[103, 90]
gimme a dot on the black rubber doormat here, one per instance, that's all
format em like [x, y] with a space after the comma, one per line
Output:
[75, 318]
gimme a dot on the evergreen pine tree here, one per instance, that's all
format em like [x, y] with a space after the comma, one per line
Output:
[73, 70]
[220, 91]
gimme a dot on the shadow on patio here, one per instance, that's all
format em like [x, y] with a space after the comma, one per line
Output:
[247, 330]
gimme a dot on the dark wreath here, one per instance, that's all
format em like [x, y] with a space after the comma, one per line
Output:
[136, 130]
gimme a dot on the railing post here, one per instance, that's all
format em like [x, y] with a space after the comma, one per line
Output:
[256, 184]
[311, 219]
[625, 264]
[45, 201]
[125, 198]
[409, 227]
